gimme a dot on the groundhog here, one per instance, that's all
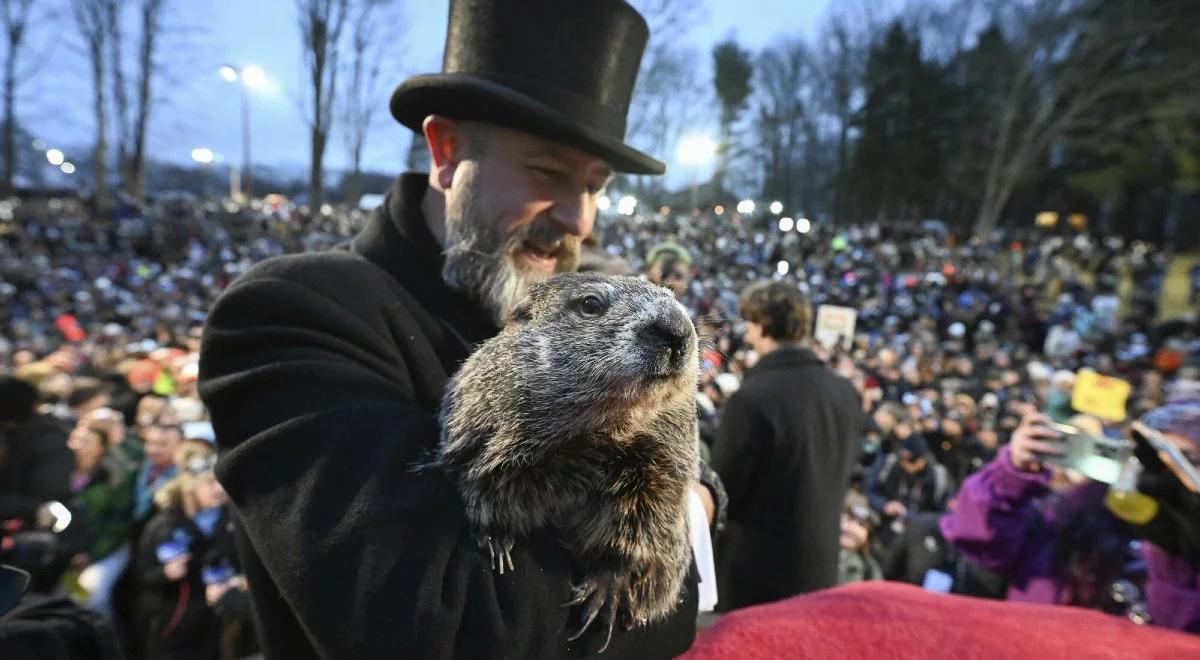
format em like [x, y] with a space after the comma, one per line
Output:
[580, 417]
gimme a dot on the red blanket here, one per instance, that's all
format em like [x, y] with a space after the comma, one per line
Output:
[880, 620]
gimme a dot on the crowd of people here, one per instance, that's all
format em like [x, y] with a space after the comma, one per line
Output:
[959, 347]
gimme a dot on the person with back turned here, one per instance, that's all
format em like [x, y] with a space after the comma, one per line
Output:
[786, 445]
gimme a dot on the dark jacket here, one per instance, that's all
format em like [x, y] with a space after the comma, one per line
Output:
[174, 617]
[927, 490]
[106, 502]
[786, 446]
[324, 372]
[35, 466]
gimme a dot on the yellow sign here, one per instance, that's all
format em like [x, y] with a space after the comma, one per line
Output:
[1102, 396]
[1046, 219]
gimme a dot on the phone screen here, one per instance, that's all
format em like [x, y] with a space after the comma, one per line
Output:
[1097, 458]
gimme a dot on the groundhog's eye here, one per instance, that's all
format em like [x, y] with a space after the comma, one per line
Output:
[591, 306]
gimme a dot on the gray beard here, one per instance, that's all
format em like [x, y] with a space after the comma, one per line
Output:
[480, 261]
[488, 278]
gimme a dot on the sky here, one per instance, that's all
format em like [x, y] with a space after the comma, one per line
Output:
[199, 109]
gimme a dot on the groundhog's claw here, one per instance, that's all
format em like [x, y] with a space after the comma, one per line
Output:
[499, 551]
[598, 596]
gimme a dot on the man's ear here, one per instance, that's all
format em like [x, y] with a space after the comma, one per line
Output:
[445, 139]
[523, 312]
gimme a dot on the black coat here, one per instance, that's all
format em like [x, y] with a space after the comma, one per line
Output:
[787, 443]
[324, 372]
[173, 616]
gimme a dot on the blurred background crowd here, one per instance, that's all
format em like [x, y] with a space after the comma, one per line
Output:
[106, 466]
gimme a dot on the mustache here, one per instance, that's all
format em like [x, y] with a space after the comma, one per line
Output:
[546, 236]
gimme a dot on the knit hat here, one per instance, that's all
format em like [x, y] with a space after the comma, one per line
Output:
[1181, 417]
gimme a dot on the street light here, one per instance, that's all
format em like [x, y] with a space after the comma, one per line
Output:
[803, 225]
[745, 206]
[782, 268]
[626, 205]
[254, 77]
[776, 207]
[203, 156]
[67, 168]
[785, 224]
[55, 157]
[251, 77]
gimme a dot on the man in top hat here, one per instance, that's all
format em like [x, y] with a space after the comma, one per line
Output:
[324, 371]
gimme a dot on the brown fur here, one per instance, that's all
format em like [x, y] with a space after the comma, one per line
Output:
[585, 424]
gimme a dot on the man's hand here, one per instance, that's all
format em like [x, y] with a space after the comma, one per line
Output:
[176, 568]
[214, 592]
[1027, 446]
[706, 498]
[895, 509]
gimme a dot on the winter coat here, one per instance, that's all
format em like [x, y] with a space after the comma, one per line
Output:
[927, 490]
[997, 522]
[35, 466]
[323, 373]
[787, 443]
[107, 504]
[173, 616]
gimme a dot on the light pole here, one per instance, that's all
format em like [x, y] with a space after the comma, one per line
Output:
[696, 151]
[248, 77]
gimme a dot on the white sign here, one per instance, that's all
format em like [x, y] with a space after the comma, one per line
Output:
[834, 323]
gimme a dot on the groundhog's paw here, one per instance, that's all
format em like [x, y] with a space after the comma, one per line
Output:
[602, 594]
[499, 548]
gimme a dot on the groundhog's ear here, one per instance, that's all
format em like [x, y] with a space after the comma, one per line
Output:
[523, 312]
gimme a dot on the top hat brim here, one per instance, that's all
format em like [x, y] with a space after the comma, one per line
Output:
[472, 98]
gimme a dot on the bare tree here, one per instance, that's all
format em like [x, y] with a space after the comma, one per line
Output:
[16, 20]
[362, 90]
[150, 22]
[113, 10]
[665, 98]
[91, 19]
[782, 74]
[321, 24]
[1076, 57]
[846, 39]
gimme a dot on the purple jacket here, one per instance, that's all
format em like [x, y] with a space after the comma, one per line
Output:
[990, 524]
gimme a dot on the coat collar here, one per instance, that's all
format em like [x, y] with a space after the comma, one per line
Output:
[787, 357]
[397, 240]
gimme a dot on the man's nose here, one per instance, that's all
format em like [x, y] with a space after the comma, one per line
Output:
[575, 214]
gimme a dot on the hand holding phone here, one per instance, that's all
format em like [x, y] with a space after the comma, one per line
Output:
[1033, 441]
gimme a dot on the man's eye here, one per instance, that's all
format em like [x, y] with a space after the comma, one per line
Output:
[591, 306]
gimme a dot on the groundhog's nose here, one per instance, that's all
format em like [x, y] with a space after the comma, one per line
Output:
[669, 332]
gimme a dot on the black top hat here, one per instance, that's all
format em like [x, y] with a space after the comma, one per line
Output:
[559, 69]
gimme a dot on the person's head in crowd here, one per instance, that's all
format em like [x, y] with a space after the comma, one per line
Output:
[107, 421]
[86, 396]
[194, 487]
[914, 454]
[669, 265]
[776, 315]
[516, 207]
[149, 409]
[857, 522]
[1179, 422]
[162, 442]
[89, 444]
[887, 417]
[18, 400]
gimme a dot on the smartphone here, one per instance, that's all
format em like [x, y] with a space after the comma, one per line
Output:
[1170, 455]
[1097, 458]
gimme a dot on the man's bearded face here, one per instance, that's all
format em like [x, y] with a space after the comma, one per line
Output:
[492, 259]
